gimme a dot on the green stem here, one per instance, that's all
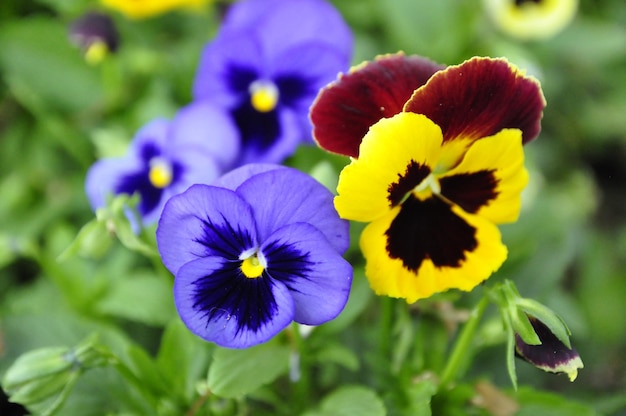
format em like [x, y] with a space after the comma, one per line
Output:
[461, 348]
[386, 322]
[133, 380]
[297, 358]
[197, 405]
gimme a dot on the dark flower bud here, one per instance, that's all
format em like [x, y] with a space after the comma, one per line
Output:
[95, 34]
[551, 355]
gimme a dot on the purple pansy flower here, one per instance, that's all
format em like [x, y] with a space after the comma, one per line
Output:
[266, 66]
[165, 158]
[252, 255]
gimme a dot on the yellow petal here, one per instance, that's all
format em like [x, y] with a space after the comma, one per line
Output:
[501, 154]
[139, 9]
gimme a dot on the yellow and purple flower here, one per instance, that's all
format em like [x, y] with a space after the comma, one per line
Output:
[432, 175]
[251, 255]
[96, 34]
[266, 65]
[531, 19]
[165, 158]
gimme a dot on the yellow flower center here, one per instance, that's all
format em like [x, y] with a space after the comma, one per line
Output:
[427, 187]
[252, 267]
[160, 174]
[263, 95]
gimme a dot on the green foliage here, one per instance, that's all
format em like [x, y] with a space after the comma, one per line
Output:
[236, 373]
[350, 400]
[67, 273]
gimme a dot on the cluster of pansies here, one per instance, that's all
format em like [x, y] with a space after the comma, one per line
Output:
[253, 88]
[262, 245]
[437, 162]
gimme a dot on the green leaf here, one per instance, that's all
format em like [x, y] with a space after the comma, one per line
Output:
[510, 356]
[420, 396]
[544, 314]
[522, 326]
[12, 246]
[93, 241]
[127, 237]
[349, 401]
[549, 404]
[325, 173]
[183, 358]
[145, 369]
[66, 6]
[144, 298]
[39, 60]
[236, 373]
[424, 26]
[339, 354]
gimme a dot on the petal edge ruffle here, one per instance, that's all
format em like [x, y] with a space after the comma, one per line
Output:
[480, 97]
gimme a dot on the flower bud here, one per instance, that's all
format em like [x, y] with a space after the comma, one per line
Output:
[535, 334]
[42, 379]
[551, 355]
[95, 34]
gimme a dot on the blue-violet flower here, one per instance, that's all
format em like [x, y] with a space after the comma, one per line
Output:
[262, 249]
[165, 158]
[266, 65]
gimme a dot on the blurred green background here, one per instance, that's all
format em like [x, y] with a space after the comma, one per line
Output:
[58, 115]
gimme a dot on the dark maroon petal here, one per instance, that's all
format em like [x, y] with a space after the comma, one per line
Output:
[479, 98]
[345, 109]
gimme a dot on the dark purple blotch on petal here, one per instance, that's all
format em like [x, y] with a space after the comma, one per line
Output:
[429, 229]
[470, 191]
[287, 264]
[228, 294]
[139, 180]
[259, 131]
[414, 174]
[225, 241]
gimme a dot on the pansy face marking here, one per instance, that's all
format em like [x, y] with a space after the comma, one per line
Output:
[247, 261]
[431, 223]
[265, 67]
